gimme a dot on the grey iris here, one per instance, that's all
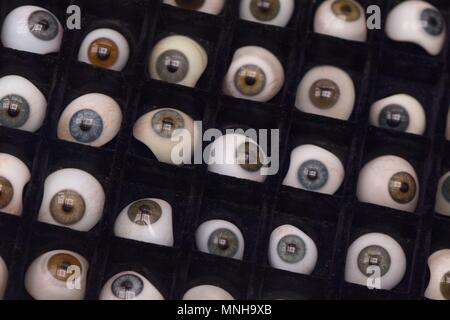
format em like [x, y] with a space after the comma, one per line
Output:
[291, 249]
[172, 66]
[312, 174]
[86, 126]
[223, 242]
[432, 21]
[14, 111]
[446, 189]
[127, 286]
[43, 25]
[394, 117]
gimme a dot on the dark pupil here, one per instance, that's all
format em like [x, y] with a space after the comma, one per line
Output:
[126, 285]
[291, 248]
[404, 187]
[42, 25]
[103, 53]
[172, 65]
[223, 244]
[167, 124]
[13, 109]
[394, 119]
[86, 124]
[145, 210]
[62, 268]
[264, 5]
[250, 78]
[312, 174]
[433, 21]
[374, 260]
[68, 205]
[346, 9]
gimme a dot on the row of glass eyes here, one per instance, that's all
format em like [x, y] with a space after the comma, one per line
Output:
[371, 256]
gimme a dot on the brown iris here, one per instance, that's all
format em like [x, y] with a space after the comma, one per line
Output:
[6, 192]
[445, 286]
[67, 207]
[346, 10]
[103, 52]
[249, 157]
[265, 10]
[402, 187]
[144, 212]
[190, 4]
[250, 80]
[59, 264]
[324, 94]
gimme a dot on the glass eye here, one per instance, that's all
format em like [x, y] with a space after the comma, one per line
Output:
[326, 91]
[105, 48]
[33, 29]
[93, 119]
[73, 199]
[399, 112]
[255, 74]
[178, 59]
[417, 22]
[238, 156]
[273, 12]
[170, 134]
[146, 220]
[14, 175]
[22, 104]
[344, 19]
[207, 6]
[57, 275]
[389, 181]
[442, 205]
[292, 250]
[207, 292]
[129, 285]
[314, 169]
[3, 277]
[439, 285]
[220, 237]
[375, 256]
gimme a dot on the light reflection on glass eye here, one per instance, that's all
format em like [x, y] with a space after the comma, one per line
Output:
[73, 199]
[344, 19]
[32, 29]
[147, 220]
[129, 285]
[178, 59]
[105, 48]
[255, 74]
[417, 22]
[207, 6]
[273, 12]
[389, 181]
[207, 292]
[377, 256]
[57, 275]
[439, 285]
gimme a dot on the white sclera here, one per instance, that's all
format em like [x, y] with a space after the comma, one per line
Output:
[344, 106]
[282, 19]
[17, 85]
[206, 228]
[41, 285]
[179, 149]
[86, 185]
[299, 155]
[306, 265]
[266, 61]
[417, 117]
[442, 205]
[222, 158]
[160, 232]
[207, 292]
[404, 24]
[210, 6]
[18, 174]
[149, 291]
[3, 277]
[439, 265]
[396, 270]
[373, 182]
[194, 52]
[113, 35]
[326, 22]
[105, 106]
[16, 33]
